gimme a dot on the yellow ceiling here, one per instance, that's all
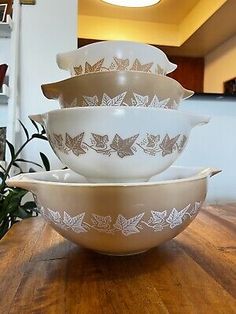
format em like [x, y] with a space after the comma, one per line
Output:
[169, 23]
[216, 30]
[166, 11]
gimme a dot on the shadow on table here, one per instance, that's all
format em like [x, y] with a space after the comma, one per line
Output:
[79, 264]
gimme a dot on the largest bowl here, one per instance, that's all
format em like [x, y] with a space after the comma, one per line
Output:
[118, 219]
[115, 56]
[118, 144]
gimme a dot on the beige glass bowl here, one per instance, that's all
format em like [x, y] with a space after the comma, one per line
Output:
[118, 219]
[117, 89]
[115, 55]
[118, 144]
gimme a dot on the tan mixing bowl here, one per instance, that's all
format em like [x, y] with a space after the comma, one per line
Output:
[118, 219]
[117, 89]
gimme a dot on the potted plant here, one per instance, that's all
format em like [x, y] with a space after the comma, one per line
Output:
[12, 206]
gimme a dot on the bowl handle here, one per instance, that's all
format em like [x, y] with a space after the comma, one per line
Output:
[21, 181]
[50, 91]
[61, 59]
[198, 120]
[37, 118]
[187, 93]
[214, 171]
[171, 67]
[210, 171]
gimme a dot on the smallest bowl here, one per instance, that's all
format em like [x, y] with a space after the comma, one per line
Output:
[115, 55]
[117, 89]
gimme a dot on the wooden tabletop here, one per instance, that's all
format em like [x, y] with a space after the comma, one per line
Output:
[40, 272]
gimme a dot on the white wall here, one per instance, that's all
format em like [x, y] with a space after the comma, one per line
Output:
[4, 58]
[47, 28]
[220, 66]
[214, 145]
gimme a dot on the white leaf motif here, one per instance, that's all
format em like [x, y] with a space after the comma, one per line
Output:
[42, 210]
[175, 105]
[157, 217]
[175, 217]
[158, 227]
[74, 223]
[101, 221]
[157, 103]
[74, 102]
[159, 220]
[54, 216]
[116, 101]
[128, 226]
[159, 70]
[195, 208]
[90, 101]
[139, 100]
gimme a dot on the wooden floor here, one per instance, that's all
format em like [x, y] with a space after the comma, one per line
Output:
[40, 272]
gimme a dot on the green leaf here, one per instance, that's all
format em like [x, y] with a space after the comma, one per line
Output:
[25, 130]
[11, 201]
[29, 161]
[35, 125]
[17, 166]
[39, 136]
[4, 226]
[43, 130]
[12, 149]
[45, 161]
[21, 213]
[1, 167]
[1, 175]
[29, 205]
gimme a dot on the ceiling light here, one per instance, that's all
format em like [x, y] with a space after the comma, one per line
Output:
[132, 3]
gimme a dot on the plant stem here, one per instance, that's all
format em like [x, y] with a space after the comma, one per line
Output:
[2, 186]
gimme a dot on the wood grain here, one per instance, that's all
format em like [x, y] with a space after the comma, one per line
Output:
[189, 73]
[194, 273]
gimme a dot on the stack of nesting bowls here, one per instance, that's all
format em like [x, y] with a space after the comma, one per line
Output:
[118, 131]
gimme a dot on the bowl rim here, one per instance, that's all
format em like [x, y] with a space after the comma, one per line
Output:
[202, 173]
[118, 73]
[123, 108]
[131, 43]
[118, 42]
